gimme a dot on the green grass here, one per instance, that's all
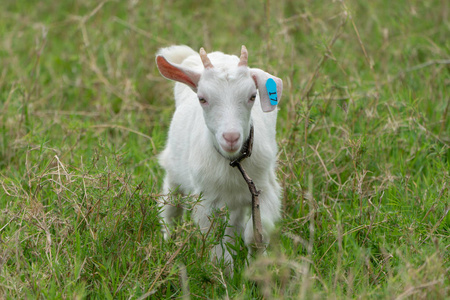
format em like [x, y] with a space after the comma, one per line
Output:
[363, 133]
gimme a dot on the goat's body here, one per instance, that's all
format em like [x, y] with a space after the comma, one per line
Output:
[194, 166]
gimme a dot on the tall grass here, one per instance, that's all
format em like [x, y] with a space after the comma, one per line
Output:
[363, 133]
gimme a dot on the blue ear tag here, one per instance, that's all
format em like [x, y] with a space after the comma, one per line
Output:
[271, 87]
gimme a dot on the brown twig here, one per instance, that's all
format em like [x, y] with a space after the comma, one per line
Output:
[256, 212]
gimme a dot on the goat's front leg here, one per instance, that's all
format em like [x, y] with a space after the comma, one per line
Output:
[170, 212]
[203, 217]
[270, 206]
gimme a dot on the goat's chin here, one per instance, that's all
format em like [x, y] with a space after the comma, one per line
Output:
[230, 152]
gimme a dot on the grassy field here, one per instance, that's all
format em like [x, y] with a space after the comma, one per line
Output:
[363, 135]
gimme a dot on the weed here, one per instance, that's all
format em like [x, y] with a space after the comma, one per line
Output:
[363, 134]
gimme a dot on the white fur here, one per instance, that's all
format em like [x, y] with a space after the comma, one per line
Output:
[191, 159]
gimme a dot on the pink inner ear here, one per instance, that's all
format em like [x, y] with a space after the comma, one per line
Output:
[171, 72]
[255, 80]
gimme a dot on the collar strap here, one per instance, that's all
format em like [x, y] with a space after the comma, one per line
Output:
[246, 150]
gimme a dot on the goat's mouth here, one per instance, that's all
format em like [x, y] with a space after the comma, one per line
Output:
[231, 149]
[229, 152]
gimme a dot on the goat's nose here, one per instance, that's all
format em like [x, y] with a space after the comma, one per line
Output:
[231, 137]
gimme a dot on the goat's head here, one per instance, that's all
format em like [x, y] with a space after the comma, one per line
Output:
[227, 95]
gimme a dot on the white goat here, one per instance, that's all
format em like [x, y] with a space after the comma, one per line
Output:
[216, 105]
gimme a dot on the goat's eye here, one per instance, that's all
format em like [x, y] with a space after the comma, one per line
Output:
[202, 100]
[252, 98]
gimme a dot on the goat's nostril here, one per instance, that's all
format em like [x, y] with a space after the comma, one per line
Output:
[231, 137]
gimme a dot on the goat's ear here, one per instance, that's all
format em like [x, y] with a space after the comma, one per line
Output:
[270, 89]
[177, 72]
